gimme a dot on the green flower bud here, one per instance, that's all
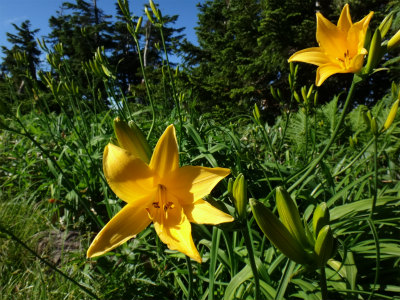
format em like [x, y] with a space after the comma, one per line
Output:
[303, 94]
[256, 113]
[290, 217]
[146, 10]
[132, 139]
[277, 233]
[391, 115]
[155, 10]
[375, 52]
[138, 24]
[320, 217]
[230, 187]
[239, 192]
[273, 93]
[351, 142]
[394, 41]
[310, 90]
[386, 24]
[374, 126]
[324, 246]
[296, 96]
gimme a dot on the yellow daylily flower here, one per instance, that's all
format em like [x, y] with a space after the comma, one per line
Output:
[341, 47]
[160, 192]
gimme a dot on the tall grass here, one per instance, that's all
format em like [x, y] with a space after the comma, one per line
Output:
[54, 196]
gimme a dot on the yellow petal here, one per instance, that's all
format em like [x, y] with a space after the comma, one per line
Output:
[129, 177]
[323, 72]
[359, 30]
[131, 220]
[176, 232]
[165, 157]
[344, 22]
[332, 40]
[357, 62]
[202, 212]
[191, 183]
[312, 55]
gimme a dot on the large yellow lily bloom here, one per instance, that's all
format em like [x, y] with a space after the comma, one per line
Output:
[341, 47]
[160, 192]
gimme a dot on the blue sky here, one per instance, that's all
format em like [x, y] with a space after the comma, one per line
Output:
[39, 12]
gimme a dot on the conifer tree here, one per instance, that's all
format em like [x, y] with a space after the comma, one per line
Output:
[23, 57]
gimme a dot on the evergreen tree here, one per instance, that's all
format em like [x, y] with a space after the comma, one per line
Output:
[23, 57]
[124, 55]
[81, 28]
[244, 47]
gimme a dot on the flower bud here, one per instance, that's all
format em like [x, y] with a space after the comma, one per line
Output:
[394, 41]
[290, 217]
[296, 96]
[324, 246]
[273, 93]
[155, 10]
[138, 24]
[230, 187]
[132, 139]
[277, 233]
[374, 126]
[303, 94]
[386, 24]
[146, 10]
[392, 115]
[239, 192]
[256, 113]
[375, 52]
[351, 142]
[320, 217]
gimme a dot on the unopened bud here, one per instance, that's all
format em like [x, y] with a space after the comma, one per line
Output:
[392, 115]
[239, 192]
[324, 246]
[290, 217]
[138, 24]
[375, 52]
[394, 41]
[256, 113]
[320, 217]
[132, 139]
[148, 14]
[374, 126]
[277, 233]
[386, 24]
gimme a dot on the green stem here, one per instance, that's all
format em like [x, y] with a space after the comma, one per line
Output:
[190, 273]
[250, 251]
[15, 238]
[315, 162]
[378, 254]
[323, 285]
[306, 137]
[375, 196]
[371, 215]
[268, 140]
[216, 236]
[177, 104]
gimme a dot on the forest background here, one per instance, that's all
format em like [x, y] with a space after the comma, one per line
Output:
[56, 118]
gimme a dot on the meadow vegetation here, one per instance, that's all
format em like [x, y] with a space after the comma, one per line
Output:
[316, 152]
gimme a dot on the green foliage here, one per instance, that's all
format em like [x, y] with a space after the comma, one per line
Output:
[54, 197]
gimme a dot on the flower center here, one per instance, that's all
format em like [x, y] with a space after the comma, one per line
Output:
[345, 61]
[161, 200]
[161, 205]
